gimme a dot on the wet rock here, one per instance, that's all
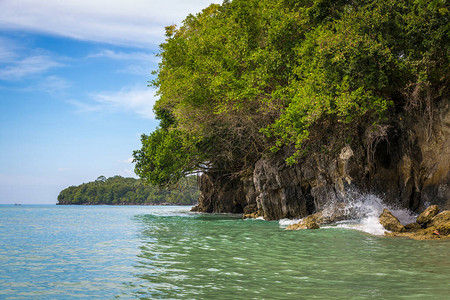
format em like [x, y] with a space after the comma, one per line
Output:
[439, 218]
[441, 222]
[437, 229]
[428, 214]
[253, 215]
[307, 223]
[390, 222]
[334, 213]
[412, 227]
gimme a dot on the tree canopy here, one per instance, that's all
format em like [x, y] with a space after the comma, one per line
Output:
[248, 77]
[119, 190]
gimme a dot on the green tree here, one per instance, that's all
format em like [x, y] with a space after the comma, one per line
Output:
[120, 190]
[249, 76]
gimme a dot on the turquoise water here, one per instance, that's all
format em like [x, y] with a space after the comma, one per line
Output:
[145, 252]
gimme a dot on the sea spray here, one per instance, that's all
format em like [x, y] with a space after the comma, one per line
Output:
[360, 212]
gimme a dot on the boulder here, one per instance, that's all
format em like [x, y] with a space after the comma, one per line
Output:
[438, 228]
[334, 213]
[412, 227]
[441, 223]
[253, 215]
[428, 214]
[390, 222]
[307, 223]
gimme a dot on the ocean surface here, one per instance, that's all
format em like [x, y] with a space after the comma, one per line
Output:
[166, 252]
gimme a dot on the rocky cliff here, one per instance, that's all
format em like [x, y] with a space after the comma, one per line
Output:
[406, 162]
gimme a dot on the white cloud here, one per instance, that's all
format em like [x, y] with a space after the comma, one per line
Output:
[144, 69]
[137, 100]
[132, 22]
[54, 84]
[7, 50]
[127, 161]
[117, 55]
[30, 65]
[17, 62]
[140, 63]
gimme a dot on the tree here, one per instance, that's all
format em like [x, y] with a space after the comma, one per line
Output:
[101, 179]
[249, 76]
[120, 190]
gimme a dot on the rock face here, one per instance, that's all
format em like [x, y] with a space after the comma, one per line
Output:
[222, 194]
[409, 167]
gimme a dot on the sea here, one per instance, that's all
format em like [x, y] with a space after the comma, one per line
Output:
[168, 252]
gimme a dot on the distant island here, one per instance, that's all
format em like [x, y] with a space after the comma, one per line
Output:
[119, 190]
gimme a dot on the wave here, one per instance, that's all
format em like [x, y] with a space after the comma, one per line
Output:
[361, 213]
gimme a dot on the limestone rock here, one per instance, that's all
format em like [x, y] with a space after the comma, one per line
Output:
[334, 213]
[412, 227]
[408, 166]
[390, 222]
[253, 215]
[307, 223]
[428, 214]
[441, 222]
[439, 218]
[437, 229]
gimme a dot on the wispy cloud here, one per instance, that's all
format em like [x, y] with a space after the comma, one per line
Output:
[54, 85]
[144, 69]
[127, 161]
[118, 55]
[7, 50]
[136, 100]
[138, 63]
[17, 62]
[28, 66]
[132, 23]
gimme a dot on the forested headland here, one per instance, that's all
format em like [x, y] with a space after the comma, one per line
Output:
[248, 77]
[283, 104]
[119, 190]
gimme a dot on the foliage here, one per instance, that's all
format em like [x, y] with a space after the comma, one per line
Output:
[245, 77]
[118, 190]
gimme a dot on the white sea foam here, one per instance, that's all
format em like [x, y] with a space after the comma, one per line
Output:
[363, 211]
[287, 222]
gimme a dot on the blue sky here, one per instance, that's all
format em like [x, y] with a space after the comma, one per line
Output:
[73, 89]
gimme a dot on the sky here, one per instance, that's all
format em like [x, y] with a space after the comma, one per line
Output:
[74, 99]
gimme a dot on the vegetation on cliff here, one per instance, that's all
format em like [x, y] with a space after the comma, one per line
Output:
[247, 77]
[120, 191]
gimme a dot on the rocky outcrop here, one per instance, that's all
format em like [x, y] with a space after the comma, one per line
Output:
[253, 215]
[435, 227]
[412, 227]
[221, 193]
[427, 214]
[390, 222]
[441, 221]
[310, 222]
[406, 162]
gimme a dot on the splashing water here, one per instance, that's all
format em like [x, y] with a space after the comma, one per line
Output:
[361, 213]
